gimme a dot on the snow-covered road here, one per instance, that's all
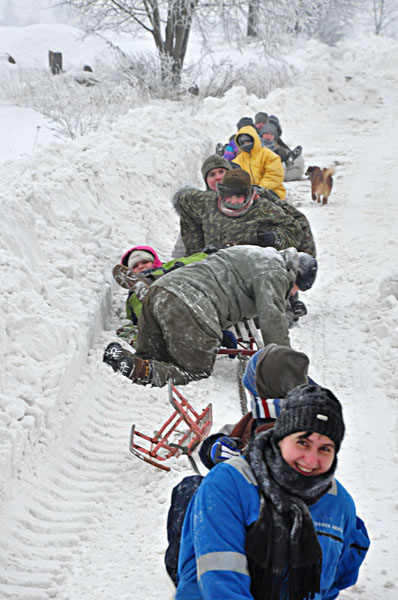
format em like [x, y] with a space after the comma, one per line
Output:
[81, 517]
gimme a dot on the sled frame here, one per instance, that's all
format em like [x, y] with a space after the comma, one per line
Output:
[180, 433]
[249, 342]
[248, 338]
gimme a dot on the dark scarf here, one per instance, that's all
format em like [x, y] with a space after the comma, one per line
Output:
[282, 546]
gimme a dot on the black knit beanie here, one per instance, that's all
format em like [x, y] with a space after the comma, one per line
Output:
[243, 122]
[311, 408]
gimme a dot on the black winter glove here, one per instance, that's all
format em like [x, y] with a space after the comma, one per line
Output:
[212, 248]
[266, 238]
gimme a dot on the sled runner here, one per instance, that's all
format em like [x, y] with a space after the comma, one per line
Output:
[249, 341]
[179, 434]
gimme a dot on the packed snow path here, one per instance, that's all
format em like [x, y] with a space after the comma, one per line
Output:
[86, 519]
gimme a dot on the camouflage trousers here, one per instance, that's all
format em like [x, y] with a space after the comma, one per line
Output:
[179, 345]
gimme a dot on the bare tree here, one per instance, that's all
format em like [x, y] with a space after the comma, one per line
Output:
[327, 20]
[252, 18]
[174, 16]
[169, 22]
[385, 12]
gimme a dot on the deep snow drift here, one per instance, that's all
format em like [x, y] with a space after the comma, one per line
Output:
[83, 518]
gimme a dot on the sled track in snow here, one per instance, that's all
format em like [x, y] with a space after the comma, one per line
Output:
[53, 510]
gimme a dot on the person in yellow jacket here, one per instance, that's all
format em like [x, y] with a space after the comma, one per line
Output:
[264, 166]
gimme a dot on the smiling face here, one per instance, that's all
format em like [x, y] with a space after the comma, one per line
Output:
[308, 454]
[215, 176]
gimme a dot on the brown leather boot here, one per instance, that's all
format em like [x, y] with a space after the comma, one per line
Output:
[136, 369]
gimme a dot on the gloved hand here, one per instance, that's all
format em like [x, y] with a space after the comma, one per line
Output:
[220, 149]
[266, 238]
[128, 333]
[224, 448]
[212, 248]
[258, 189]
[229, 341]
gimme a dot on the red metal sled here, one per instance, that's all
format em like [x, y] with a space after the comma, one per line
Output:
[171, 440]
[248, 338]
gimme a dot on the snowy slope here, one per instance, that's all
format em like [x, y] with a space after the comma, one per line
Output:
[81, 517]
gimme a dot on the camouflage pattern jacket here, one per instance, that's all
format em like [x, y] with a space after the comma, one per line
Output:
[202, 224]
[306, 242]
[238, 283]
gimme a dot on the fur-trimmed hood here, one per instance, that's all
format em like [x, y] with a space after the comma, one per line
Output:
[175, 200]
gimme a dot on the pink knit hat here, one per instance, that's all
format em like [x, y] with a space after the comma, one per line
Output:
[141, 253]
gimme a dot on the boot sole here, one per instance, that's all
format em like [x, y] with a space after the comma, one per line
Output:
[126, 278]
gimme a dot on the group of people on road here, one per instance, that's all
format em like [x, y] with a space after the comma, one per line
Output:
[259, 252]
[269, 521]
[268, 131]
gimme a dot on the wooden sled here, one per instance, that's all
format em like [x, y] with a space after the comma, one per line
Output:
[180, 433]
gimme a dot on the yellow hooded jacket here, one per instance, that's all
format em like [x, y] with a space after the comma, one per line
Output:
[263, 165]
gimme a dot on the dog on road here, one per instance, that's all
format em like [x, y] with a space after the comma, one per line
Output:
[321, 183]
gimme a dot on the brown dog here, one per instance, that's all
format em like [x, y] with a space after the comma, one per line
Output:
[321, 182]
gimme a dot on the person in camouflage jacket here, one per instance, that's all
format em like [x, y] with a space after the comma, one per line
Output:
[185, 312]
[306, 242]
[203, 222]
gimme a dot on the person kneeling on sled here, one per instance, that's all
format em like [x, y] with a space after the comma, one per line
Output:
[184, 313]
[275, 523]
[144, 262]
[135, 274]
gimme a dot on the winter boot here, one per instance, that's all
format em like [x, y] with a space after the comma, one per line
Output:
[131, 281]
[113, 353]
[136, 369]
[297, 151]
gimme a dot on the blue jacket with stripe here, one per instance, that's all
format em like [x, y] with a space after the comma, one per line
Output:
[212, 560]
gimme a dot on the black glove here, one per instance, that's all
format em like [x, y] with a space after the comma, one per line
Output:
[212, 248]
[266, 238]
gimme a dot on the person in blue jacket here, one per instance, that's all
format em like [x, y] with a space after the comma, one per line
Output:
[270, 374]
[274, 524]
